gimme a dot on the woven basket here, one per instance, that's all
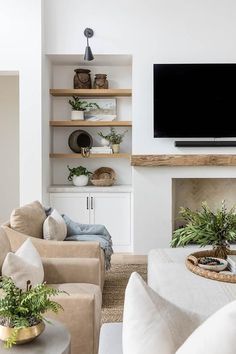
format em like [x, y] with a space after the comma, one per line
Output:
[192, 264]
[103, 182]
[103, 176]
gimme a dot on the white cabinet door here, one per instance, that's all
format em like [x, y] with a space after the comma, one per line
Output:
[114, 211]
[74, 205]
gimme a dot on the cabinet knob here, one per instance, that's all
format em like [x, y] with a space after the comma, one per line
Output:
[87, 203]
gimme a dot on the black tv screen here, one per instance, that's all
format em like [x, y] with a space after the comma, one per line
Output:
[194, 100]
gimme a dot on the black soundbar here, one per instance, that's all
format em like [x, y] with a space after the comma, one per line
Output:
[183, 143]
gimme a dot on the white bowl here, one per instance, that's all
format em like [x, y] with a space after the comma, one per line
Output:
[216, 268]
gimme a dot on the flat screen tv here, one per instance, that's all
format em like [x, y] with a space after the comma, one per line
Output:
[194, 100]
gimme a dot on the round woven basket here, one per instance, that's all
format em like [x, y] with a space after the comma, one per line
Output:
[192, 264]
[103, 176]
[102, 182]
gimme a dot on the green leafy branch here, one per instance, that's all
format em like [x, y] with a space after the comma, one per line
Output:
[206, 227]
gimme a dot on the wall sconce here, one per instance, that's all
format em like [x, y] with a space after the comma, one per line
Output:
[88, 55]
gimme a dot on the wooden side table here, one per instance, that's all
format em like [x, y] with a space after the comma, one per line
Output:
[54, 340]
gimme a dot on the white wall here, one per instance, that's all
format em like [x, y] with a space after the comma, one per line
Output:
[9, 151]
[20, 46]
[155, 31]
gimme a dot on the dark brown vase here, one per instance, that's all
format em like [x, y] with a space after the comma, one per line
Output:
[221, 251]
[82, 79]
[100, 81]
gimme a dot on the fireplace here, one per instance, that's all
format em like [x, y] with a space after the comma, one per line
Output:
[191, 192]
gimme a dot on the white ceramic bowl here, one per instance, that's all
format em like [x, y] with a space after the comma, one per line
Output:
[216, 268]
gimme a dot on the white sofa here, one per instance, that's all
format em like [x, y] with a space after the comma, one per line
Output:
[168, 276]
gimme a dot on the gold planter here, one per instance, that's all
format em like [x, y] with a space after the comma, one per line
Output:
[115, 148]
[24, 335]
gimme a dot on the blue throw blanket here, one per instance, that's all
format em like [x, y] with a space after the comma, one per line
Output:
[86, 232]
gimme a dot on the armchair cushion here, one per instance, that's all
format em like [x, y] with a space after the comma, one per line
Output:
[24, 265]
[54, 227]
[5, 246]
[29, 219]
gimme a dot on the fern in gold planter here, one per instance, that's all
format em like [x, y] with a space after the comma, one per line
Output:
[22, 312]
[206, 227]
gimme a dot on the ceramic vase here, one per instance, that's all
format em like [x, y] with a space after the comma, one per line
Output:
[80, 181]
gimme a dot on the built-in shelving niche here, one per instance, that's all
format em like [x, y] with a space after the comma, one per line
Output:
[119, 74]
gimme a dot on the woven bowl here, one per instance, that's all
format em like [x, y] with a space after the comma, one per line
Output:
[104, 173]
[103, 182]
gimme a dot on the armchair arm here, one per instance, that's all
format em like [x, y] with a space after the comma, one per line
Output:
[72, 270]
[54, 249]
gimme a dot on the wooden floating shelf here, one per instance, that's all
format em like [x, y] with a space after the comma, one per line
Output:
[91, 92]
[183, 160]
[92, 156]
[84, 123]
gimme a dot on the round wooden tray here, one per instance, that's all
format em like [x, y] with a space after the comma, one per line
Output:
[191, 264]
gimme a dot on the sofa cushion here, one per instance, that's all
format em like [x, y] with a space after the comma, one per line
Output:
[29, 219]
[54, 227]
[24, 265]
[151, 324]
[217, 334]
[5, 246]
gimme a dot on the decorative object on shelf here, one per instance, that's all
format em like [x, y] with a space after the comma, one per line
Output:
[88, 55]
[104, 139]
[82, 79]
[101, 150]
[79, 106]
[21, 312]
[224, 275]
[104, 177]
[206, 227]
[85, 151]
[106, 110]
[78, 139]
[79, 176]
[114, 138]
[100, 81]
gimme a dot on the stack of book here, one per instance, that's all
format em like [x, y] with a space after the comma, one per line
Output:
[101, 150]
[232, 263]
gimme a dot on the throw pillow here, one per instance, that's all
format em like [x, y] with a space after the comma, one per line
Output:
[29, 219]
[215, 336]
[151, 324]
[23, 265]
[54, 227]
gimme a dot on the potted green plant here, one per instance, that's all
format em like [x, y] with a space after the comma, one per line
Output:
[104, 139]
[22, 312]
[114, 138]
[79, 106]
[79, 176]
[206, 227]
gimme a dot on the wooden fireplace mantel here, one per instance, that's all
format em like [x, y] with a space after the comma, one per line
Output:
[183, 160]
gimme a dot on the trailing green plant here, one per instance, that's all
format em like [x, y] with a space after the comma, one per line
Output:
[21, 309]
[104, 136]
[78, 171]
[78, 105]
[206, 227]
[113, 137]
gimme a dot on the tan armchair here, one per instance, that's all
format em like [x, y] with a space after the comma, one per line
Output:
[80, 278]
[60, 249]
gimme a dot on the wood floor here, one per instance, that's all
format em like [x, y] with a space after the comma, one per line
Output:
[128, 258]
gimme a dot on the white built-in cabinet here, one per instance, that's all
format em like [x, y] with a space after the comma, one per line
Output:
[110, 209]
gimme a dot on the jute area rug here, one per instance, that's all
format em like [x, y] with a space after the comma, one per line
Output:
[114, 289]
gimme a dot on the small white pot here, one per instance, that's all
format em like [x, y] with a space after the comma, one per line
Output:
[80, 181]
[77, 115]
[105, 142]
